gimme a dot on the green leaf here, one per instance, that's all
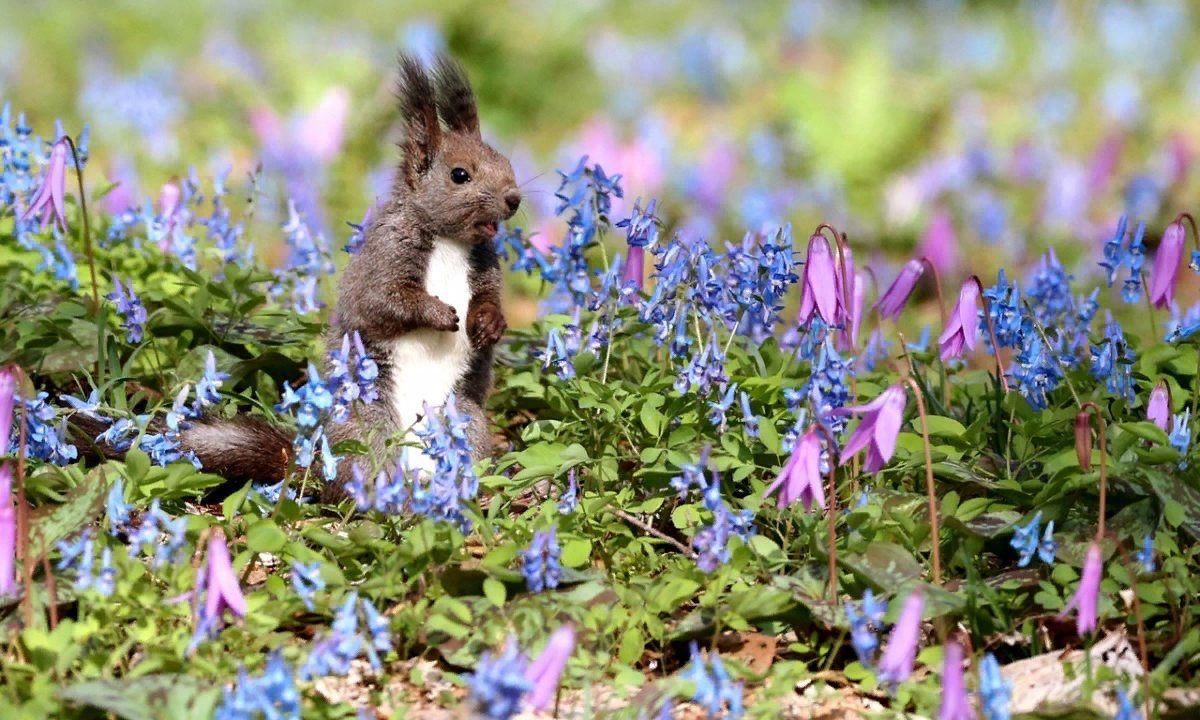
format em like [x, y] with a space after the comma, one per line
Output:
[148, 697]
[576, 552]
[652, 419]
[49, 524]
[1181, 504]
[943, 426]
[137, 464]
[495, 591]
[632, 646]
[265, 536]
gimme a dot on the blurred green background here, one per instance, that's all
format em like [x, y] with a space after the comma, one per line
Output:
[1023, 123]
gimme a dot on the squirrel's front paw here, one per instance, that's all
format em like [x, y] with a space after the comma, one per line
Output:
[485, 324]
[441, 316]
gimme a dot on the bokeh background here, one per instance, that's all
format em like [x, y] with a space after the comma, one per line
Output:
[1003, 126]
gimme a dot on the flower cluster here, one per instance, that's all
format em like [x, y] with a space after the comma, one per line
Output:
[333, 654]
[865, 622]
[712, 688]
[1025, 540]
[79, 556]
[44, 438]
[309, 259]
[1123, 251]
[133, 313]
[540, 562]
[271, 695]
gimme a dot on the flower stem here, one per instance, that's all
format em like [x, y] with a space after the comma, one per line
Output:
[1094, 410]
[937, 284]
[91, 258]
[935, 531]
[831, 509]
[23, 505]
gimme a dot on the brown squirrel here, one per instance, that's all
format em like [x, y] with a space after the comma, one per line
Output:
[423, 291]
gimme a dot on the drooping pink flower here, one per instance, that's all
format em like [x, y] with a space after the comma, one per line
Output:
[955, 703]
[1158, 408]
[50, 199]
[168, 206]
[962, 326]
[547, 668]
[8, 534]
[939, 243]
[821, 288]
[893, 300]
[8, 388]
[635, 267]
[878, 428]
[221, 582]
[1166, 265]
[848, 285]
[320, 132]
[1087, 596]
[800, 478]
[901, 652]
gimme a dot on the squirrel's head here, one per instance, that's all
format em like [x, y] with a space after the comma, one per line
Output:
[457, 184]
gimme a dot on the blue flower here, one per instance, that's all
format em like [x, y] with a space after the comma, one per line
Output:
[712, 688]
[45, 440]
[1036, 373]
[133, 313]
[994, 690]
[333, 654]
[865, 625]
[570, 497]
[1145, 556]
[1003, 306]
[1025, 539]
[358, 235]
[309, 259]
[1181, 434]
[1126, 709]
[378, 632]
[748, 418]
[499, 683]
[720, 406]
[117, 510]
[307, 581]
[271, 695]
[209, 383]
[541, 562]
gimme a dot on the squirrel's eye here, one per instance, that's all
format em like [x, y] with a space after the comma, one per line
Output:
[459, 176]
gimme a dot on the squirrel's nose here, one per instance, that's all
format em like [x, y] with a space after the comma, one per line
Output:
[512, 199]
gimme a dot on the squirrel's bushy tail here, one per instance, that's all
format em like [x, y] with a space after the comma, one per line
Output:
[238, 449]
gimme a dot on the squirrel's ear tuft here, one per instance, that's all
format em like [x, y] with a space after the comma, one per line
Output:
[455, 99]
[418, 106]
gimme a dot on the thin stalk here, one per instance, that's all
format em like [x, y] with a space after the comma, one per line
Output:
[937, 284]
[1065, 370]
[1094, 410]
[87, 235]
[987, 316]
[831, 510]
[23, 507]
[51, 588]
[934, 526]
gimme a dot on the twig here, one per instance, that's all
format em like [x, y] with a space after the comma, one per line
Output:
[641, 524]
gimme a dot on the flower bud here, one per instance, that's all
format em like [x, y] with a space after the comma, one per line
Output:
[1083, 439]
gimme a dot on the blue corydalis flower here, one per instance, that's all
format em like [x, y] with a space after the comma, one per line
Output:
[133, 313]
[749, 420]
[1025, 540]
[865, 623]
[1145, 556]
[499, 682]
[712, 688]
[270, 695]
[540, 562]
[994, 690]
[1181, 434]
[307, 581]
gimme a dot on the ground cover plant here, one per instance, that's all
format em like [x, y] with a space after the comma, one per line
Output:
[748, 465]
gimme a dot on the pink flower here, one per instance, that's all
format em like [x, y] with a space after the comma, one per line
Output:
[635, 267]
[901, 652]
[849, 287]
[8, 386]
[321, 131]
[1166, 265]
[955, 703]
[877, 431]
[893, 300]
[939, 243]
[1087, 595]
[800, 478]
[8, 534]
[821, 294]
[963, 323]
[50, 199]
[547, 668]
[221, 582]
[1158, 408]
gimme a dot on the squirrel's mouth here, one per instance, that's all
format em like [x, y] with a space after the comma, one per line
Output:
[487, 229]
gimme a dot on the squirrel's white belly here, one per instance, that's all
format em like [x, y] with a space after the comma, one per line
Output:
[427, 364]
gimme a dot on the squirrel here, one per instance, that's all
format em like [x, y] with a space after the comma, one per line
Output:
[423, 291]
